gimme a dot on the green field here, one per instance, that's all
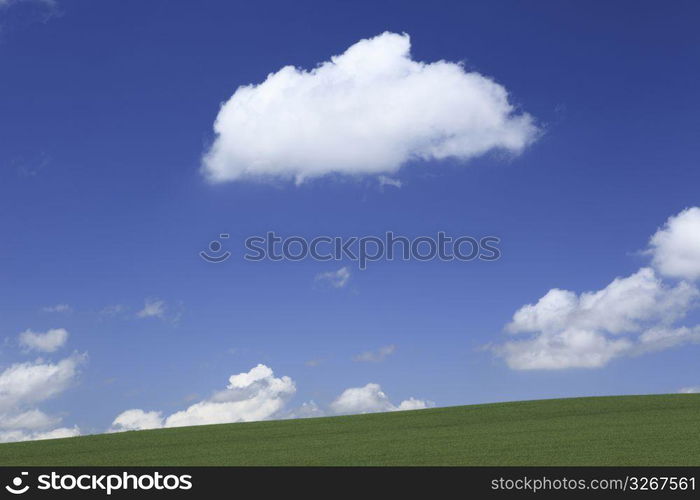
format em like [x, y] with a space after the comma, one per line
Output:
[627, 430]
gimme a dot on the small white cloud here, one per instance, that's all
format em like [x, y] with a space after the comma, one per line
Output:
[371, 399]
[389, 181]
[414, 404]
[48, 341]
[152, 309]
[676, 246]
[134, 420]
[367, 111]
[689, 390]
[376, 356]
[336, 279]
[112, 310]
[367, 399]
[58, 308]
[307, 410]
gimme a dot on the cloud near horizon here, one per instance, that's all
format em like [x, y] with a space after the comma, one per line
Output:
[367, 111]
[23, 386]
[630, 316]
[253, 395]
[371, 399]
[259, 395]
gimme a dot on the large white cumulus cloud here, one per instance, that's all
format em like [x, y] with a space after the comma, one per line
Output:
[366, 111]
[631, 315]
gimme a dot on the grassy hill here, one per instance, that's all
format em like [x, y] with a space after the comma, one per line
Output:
[627, 430]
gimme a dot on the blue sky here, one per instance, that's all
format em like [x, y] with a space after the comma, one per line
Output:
[106, 109]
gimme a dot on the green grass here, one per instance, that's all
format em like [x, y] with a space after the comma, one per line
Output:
[627, 430]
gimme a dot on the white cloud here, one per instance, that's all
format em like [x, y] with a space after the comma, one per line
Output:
[134, 420]
[112, 310]
[660, 337]
[24, 385]
[48, 341]
[618, 308]
[376, 356]
[249, 396]
[32, 382]
[336, 279]
[676, 246]
[31, 419]
[367, 111]
[307, 410]
[152, 309]
[414, 404]
[371, 399]
[7, 3]
[629, 316]
[565, 349]
[20, 435]
[259, 395]
[689, 390]
[58, 308]
[255, 395]
[389, 181]
[367, 399]
[61, 432]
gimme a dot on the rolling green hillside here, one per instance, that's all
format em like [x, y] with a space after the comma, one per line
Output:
[628, 430]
